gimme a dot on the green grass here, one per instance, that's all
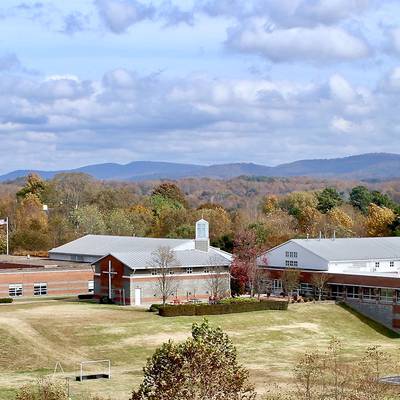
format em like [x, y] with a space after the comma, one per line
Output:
[34, 336]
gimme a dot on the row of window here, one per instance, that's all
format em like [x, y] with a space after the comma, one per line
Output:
[39, 289]
[291, 254]
[382, 295]
[391, 264]
[291, 263]
[188, 270]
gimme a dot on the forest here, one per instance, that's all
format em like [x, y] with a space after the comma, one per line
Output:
[45, 214]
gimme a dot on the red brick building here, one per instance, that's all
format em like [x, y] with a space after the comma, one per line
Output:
[124, 271]
[35, 277]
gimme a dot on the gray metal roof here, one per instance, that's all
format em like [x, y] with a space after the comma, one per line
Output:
[184, 258]
[100, 245]
[353, 249]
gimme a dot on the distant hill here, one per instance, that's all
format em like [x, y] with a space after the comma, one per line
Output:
[372, 166]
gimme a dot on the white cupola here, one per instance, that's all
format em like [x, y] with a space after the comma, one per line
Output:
[202, 240]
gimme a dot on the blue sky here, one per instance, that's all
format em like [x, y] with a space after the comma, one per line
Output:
[202, 81]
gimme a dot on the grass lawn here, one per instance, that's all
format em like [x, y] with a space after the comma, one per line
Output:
[34, 336]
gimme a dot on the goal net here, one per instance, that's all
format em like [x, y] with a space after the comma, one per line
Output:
[94, 369]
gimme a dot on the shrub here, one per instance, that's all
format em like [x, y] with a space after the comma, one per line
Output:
[43, 389]
[86, 296]
[155, 307]
[106, 300]
[6, 300]
[215, 309]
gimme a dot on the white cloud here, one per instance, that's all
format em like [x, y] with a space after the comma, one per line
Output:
[119, 15]
[319, 44]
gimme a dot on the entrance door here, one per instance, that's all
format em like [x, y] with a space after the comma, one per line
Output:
[138, 296]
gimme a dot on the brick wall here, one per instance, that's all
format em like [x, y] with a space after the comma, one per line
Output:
[63, 282]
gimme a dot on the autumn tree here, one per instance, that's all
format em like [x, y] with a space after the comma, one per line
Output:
[70, 191]
[88, 220]
[203, 367]
[379, 220]
[339, 221]
[245, 254]
[118, 223]
[171, 192]
[35, 186]
[162, 262]
[30, 227]
[270, 204]
[141, 218]
[296, 202]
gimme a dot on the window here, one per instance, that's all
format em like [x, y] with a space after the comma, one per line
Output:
[154, 272]
[377, 264]
[291, 263]
[291, 254]
[15, 289]
[40, 289]
[386, 296]
[277, 285]
[90, 286]
[287, 254]
[171, 271]
[352, 292]
[337, 291]
[369, 294]
[306, 288]
[206, 270]
[391, 264]
[189, 270]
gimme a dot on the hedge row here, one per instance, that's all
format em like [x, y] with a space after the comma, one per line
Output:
[6, 300]
[214, 309]
[86, 296]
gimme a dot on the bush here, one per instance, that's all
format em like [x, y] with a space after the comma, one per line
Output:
[106, 300]
[43, 389]
[155, 307]
[215, 309]
[86, 296]
[6, 300]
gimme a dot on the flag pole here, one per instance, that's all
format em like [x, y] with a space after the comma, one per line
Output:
[7, 236]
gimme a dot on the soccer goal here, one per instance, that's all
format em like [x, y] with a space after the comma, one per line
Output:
[94, 369]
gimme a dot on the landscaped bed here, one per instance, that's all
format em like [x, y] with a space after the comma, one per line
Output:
[227, 306]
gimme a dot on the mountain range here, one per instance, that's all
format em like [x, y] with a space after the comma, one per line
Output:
[371, 166]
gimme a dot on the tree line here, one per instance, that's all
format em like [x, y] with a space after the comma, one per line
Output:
[44, 214]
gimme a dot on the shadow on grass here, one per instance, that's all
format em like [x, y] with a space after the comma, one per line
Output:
[378, 327]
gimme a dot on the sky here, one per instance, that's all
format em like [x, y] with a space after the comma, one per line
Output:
[202, 81]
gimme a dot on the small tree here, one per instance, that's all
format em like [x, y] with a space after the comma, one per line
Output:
[319, 281]
[290, 280]
[245, 252]
[161, 262]
[217, 281]
[204, 367]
